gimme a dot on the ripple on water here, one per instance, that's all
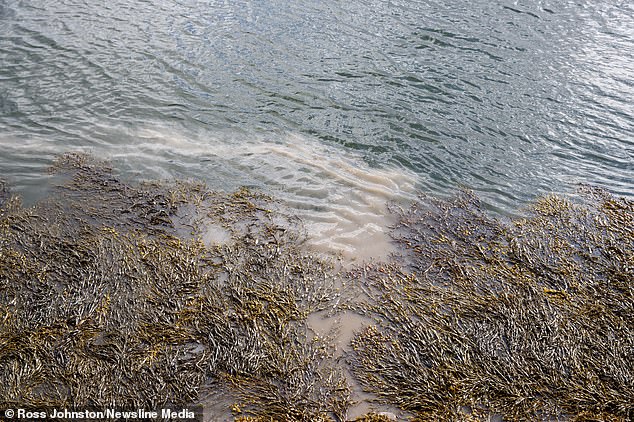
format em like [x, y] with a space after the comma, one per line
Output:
[341, 200]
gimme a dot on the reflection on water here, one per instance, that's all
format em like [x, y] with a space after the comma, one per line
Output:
[511, 98]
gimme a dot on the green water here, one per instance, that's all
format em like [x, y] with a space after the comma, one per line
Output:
[509, 98]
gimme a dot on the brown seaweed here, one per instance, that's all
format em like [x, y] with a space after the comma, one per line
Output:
[115, 294]
[104, 302]
[528, 319]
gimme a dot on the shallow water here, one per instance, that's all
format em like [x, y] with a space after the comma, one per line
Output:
[510, 98]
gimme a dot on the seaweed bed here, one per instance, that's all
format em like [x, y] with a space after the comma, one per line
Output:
[114, 294]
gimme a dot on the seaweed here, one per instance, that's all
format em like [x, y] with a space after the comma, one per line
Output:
[149, 295]
[105, 301]
[531, 318]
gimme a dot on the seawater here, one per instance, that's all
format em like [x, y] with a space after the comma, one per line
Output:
[511, 98]
[335, 108]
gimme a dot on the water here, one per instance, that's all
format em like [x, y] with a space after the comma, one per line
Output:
[332, 106]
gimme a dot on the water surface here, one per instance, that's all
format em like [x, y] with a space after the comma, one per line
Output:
[510, 98]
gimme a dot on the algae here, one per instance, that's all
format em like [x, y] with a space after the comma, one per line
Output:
[114, 294]
[104, 303]
[529, 319]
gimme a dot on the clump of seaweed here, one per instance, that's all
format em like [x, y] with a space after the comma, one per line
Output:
[529, 319]
[109, 296]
